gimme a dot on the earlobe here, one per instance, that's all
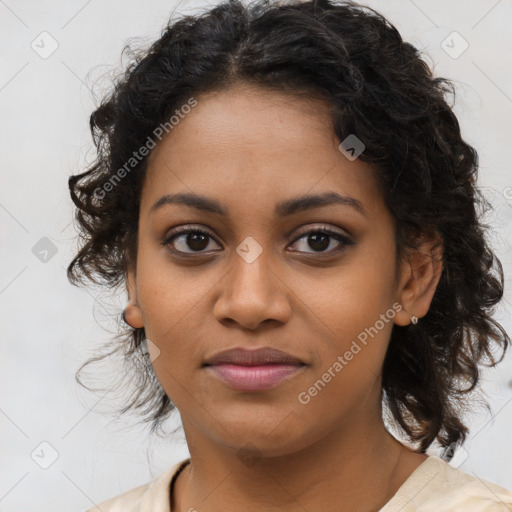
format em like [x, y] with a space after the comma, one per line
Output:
[133, 316]
[132, 313]
[420, 274]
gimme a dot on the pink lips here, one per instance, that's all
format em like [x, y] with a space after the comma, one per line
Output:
[253, 378]
[253, 370]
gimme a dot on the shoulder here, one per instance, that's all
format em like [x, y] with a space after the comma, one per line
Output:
[151, 497]
[436, 485]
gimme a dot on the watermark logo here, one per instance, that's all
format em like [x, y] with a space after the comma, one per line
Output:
[45, 45]
[351, 147]
[44, 250]
[249, 455]
[507, 194]
[249, 250]
[456, 453]
[454, 45]
[151, 350]
[44, 455]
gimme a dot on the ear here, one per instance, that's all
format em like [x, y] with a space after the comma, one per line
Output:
[420, 271]
[132, 312]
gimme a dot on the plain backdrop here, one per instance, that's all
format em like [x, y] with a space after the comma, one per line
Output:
[59, 448]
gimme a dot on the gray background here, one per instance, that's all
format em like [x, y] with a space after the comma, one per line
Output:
[49, 327]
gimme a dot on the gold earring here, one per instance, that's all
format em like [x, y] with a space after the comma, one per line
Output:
[414, 320]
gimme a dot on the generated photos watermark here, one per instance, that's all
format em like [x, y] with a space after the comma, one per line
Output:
[144, 150]
[304, 397]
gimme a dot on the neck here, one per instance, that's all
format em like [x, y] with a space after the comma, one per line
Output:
[360, 466]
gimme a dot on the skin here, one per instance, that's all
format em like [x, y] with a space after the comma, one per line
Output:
[249, 149]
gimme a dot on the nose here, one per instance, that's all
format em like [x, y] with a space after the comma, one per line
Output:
[251, 294]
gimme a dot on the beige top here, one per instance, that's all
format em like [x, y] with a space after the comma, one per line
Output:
[434, 486]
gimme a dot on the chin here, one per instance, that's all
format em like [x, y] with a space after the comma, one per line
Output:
[256, 435]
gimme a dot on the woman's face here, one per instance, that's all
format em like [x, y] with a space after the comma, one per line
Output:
[254, 277]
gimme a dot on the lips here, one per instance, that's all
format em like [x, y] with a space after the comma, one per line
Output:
[255, 357]
[253, 370]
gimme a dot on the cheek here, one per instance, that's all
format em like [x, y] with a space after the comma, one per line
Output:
[351, 351]
[353, 315]
[172, 317]
[353, 295]
[171, 299]
[167, 293]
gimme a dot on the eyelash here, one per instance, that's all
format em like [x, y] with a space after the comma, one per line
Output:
[185, 230]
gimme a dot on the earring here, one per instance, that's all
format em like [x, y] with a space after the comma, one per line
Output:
[414, 320]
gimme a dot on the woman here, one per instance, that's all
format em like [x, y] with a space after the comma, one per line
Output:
[286, 196]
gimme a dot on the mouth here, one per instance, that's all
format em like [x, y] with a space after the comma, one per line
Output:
[253, 370]
[254, 378]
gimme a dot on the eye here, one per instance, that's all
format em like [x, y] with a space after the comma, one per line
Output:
[187, 240]
[184, 238]
[321, 239]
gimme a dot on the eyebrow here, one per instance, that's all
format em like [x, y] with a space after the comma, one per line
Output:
[282, 209]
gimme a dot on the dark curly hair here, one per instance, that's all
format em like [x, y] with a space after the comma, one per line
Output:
[379, 88]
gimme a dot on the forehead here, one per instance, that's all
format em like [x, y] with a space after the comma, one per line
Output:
[253, 144]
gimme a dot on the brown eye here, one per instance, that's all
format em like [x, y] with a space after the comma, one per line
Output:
[188, 241]
[319, 240]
